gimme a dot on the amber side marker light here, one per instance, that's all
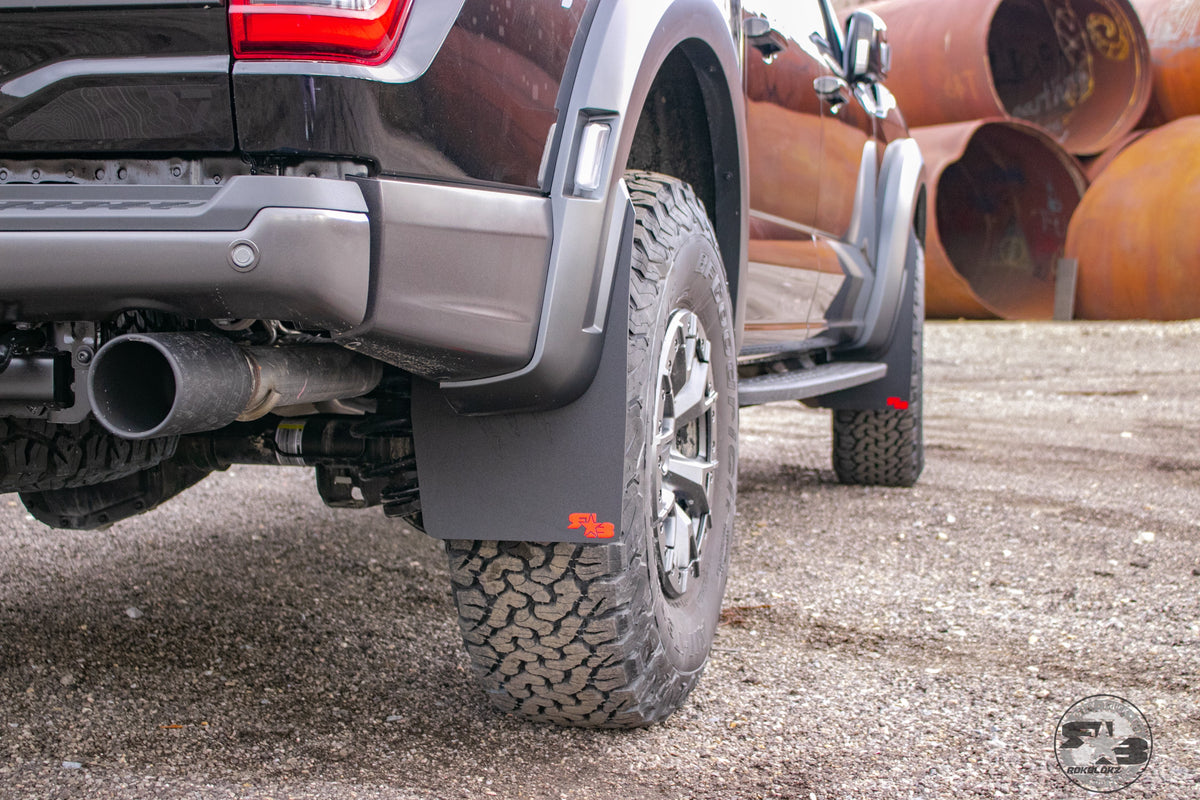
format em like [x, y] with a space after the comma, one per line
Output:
[356, 31]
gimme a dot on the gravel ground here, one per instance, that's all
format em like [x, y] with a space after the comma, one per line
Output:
[245, 641]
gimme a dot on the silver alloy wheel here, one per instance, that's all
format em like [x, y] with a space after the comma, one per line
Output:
[683, 445]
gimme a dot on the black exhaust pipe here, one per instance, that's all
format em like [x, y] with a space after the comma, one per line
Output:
[146, 385]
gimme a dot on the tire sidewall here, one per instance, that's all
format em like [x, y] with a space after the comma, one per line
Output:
[917, 396]
[694, 281]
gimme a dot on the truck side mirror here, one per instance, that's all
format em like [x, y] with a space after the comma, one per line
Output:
[868, 55]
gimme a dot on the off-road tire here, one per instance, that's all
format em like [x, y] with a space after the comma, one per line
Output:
[99, 505]
[885, 447]
[588, 635]
[38, 456]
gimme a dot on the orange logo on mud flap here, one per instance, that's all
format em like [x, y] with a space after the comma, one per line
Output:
[591, 528]
[897, 403]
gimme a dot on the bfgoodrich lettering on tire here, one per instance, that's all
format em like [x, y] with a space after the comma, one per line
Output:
[616, 635]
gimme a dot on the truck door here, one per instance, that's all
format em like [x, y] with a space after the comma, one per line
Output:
[786, 52]
[852, 136]
[847, 127]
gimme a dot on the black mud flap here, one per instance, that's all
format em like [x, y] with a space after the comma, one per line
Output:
[895, 389]
[546, 476]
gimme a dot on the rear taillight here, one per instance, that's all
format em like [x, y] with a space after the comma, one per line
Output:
[359, 31]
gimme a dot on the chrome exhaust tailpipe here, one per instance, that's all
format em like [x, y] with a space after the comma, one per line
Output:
[147, 385]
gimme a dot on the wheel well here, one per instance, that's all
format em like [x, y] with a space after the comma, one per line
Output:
[672, 131]
[688, 108]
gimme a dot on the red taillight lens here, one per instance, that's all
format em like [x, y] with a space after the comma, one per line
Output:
[360, 31]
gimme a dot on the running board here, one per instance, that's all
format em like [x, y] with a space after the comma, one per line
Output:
[803, 383]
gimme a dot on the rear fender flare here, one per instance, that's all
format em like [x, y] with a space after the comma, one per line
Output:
[626, 44]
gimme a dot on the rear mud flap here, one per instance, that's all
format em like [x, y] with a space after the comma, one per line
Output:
[547, 476]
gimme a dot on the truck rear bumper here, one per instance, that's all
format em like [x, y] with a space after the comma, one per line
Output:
[458, 278]
[258, 247]
[448, 282]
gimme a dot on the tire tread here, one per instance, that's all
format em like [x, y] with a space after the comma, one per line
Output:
[567, 633]
[36, 455]
[885, 447]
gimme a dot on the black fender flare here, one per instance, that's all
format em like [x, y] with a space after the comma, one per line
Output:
[622, 47]
[901, 179]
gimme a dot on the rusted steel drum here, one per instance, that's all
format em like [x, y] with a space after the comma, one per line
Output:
[1136, 233]
[1001, 194]
[1093, 166]
[1078, 68]
[1173, 30]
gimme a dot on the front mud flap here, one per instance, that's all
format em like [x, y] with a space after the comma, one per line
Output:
[895, 390]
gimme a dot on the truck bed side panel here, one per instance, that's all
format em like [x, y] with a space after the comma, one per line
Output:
[482, 112]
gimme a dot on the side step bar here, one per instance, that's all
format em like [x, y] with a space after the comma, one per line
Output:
[803, 383]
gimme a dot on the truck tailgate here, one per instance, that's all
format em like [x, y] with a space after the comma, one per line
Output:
[105, 76]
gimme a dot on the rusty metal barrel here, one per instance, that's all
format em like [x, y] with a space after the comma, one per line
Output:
[1078, 68]
[1136, 234]
[1093, 166]
[1001, 194]
[1173, 31]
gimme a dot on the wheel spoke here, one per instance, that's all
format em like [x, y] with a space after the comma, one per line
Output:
[679, 543]
[689, 480]
[666, 503]
[664, 439]
[695, 397]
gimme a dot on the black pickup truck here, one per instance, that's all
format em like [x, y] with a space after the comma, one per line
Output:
[507, 270]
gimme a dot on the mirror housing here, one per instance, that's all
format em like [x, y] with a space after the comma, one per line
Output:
[868, 55]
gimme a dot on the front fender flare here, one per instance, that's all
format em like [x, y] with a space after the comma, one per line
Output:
[901, 177]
